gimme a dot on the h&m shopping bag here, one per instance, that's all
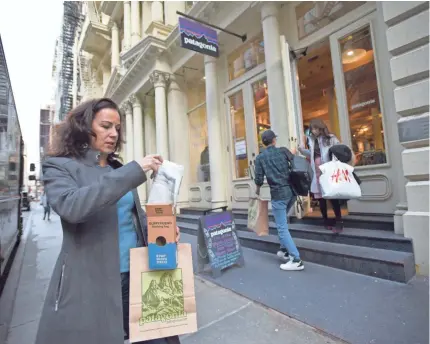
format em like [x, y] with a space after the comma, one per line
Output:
[337, 181]
[162, 302]
[258, 216]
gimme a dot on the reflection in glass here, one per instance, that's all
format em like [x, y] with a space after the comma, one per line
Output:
[261, 108]
[199, 147]
[246, 57]
[317, 92]
[364, 109]
[238, 127]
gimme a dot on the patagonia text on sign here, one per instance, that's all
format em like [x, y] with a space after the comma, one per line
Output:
[199, 38]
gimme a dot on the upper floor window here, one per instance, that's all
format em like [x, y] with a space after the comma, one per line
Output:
[246, 57]
[312, 16]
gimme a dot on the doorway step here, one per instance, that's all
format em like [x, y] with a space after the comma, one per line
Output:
[372, 252]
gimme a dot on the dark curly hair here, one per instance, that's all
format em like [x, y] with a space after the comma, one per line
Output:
[72, 137]
[319, 124]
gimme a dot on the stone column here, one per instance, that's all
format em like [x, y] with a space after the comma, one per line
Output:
[407, 34]
[127, 25]
[115, 46]
[149, 127]
[179, 135]
[129, 153]
[146, 17]
[213, 114]
[157, 11]
[275, 78]
[159, 80]
[135, 23]
[170, 11]
[138, 140]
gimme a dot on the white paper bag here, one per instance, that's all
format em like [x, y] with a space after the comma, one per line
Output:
[337, 181]
[165, 187]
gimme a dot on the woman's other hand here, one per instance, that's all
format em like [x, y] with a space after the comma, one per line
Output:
[178, 234]
[151, 162]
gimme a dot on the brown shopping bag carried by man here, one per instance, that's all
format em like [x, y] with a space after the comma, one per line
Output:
[258, 216]
[162, 302]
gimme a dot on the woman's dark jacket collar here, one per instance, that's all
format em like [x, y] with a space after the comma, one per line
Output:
[92, 158]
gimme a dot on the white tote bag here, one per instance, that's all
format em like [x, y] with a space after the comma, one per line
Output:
[337, 181]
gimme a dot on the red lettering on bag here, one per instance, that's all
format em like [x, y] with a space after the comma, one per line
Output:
[340, 176]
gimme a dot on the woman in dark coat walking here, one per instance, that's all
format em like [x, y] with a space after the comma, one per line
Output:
[85, 184]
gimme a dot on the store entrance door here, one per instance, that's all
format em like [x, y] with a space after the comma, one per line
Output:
[247, 117]
[338, 82]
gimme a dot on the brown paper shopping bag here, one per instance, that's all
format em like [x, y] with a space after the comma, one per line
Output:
[162, 302]
[258, 216]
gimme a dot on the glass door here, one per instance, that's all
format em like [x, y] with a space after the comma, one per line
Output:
[240, 140]
[248, 116]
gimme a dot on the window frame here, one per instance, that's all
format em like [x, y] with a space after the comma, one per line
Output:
[339, 79]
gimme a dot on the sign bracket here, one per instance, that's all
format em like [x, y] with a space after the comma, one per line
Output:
[242, 37]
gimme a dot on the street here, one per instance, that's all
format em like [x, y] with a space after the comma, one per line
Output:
[223, 316]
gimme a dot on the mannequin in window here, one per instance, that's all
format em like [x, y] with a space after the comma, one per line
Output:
[204, 162]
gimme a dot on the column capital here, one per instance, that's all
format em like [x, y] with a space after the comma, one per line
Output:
[174, 84]
[126, 107]
[159, 79]
[134, 100]
[269, 9]
[209, 59]
[112, 25]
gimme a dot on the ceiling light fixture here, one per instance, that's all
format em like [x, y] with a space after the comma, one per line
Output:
[351, 54]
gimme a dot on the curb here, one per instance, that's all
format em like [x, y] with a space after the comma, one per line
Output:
[7, 300]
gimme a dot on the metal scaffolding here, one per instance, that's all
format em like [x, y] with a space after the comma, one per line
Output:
[72, 23]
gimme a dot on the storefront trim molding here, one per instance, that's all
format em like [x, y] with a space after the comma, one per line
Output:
[141, 66]
[260, 69]
[332, 28]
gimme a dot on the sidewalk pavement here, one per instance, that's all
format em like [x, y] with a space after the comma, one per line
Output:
[223, 316]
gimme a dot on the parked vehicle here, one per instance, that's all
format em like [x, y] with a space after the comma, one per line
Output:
[11, 172]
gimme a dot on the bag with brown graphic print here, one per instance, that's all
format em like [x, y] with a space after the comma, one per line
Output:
[162, 302]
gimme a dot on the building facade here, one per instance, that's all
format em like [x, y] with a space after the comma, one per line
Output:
[64, 64]
[362, 67]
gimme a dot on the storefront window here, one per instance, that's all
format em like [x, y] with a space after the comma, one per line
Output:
[362, 94]
[199, 147]
[238, 126]
[317, 92]
[261, 106]
[312, 16]
[245, 58]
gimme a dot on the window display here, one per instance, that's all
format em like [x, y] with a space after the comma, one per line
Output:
[199, 147]
[365, 117]
[261, 108]
[247, 57]
[238, 126]
[317, 91]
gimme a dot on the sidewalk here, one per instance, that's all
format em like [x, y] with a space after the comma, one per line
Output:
[223, 316]
[357, 308]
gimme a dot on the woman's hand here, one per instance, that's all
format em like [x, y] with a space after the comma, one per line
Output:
[178, 234]
[151, 162]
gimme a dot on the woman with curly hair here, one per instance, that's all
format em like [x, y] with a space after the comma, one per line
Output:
[96, 199]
